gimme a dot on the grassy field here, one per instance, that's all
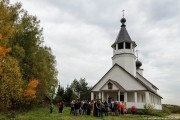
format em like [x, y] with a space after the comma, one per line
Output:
[43, 114]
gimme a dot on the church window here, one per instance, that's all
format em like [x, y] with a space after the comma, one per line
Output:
[120, 46]
[110, 85]
[128, 45]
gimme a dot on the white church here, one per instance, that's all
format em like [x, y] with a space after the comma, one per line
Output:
[125, 81]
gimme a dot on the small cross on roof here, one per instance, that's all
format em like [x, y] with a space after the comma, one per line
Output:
[123, 13]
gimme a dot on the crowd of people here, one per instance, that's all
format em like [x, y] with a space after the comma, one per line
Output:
[98, 108]
[95, 107]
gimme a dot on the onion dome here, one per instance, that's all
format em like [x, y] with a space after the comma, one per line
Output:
[138, 64]
[123, 20]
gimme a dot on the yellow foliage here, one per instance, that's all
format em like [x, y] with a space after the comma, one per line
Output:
[33, 83]
[3, 51]
[0, 36]
[11, 87]
[30, 91]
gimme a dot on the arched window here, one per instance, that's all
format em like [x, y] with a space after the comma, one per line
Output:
[110, 85]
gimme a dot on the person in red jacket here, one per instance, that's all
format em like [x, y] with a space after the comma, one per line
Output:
[133, 109]
[122, 108]
[60, 106]
[119, 108]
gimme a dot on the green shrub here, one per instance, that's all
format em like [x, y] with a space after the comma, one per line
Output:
[148, 109]
[166, 110]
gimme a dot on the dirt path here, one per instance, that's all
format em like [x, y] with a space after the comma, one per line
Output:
[174, 116]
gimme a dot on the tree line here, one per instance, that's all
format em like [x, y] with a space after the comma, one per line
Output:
[78, 89]
[27, 67]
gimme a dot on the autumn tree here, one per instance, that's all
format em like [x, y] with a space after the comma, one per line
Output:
[11, 87]
[35, 59]
[45, 70]
[23, 58]
[6, 29]
[29, 93]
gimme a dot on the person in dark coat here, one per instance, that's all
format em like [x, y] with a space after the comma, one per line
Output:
[95, 109]
[77, 106]
[98, 104]
[112, 107]
[106, 108]
[84, 108]
[116, 108]
[102, 109]
[88, 108]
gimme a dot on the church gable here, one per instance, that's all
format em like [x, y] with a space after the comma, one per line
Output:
[122, 77]
[111, 85]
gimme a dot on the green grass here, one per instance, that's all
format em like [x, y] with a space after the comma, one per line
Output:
[43, 114]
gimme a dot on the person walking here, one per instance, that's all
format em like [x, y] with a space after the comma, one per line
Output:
[51, 107]
[60, 106]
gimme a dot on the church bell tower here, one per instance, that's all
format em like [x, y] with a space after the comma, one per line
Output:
[123, 50]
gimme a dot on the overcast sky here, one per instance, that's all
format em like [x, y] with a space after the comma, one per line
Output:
[81, 32]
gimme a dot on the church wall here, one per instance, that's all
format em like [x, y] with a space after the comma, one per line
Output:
[124, 79]
[130, 97]
[105, 97]
[154, 99]
[140, 97]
